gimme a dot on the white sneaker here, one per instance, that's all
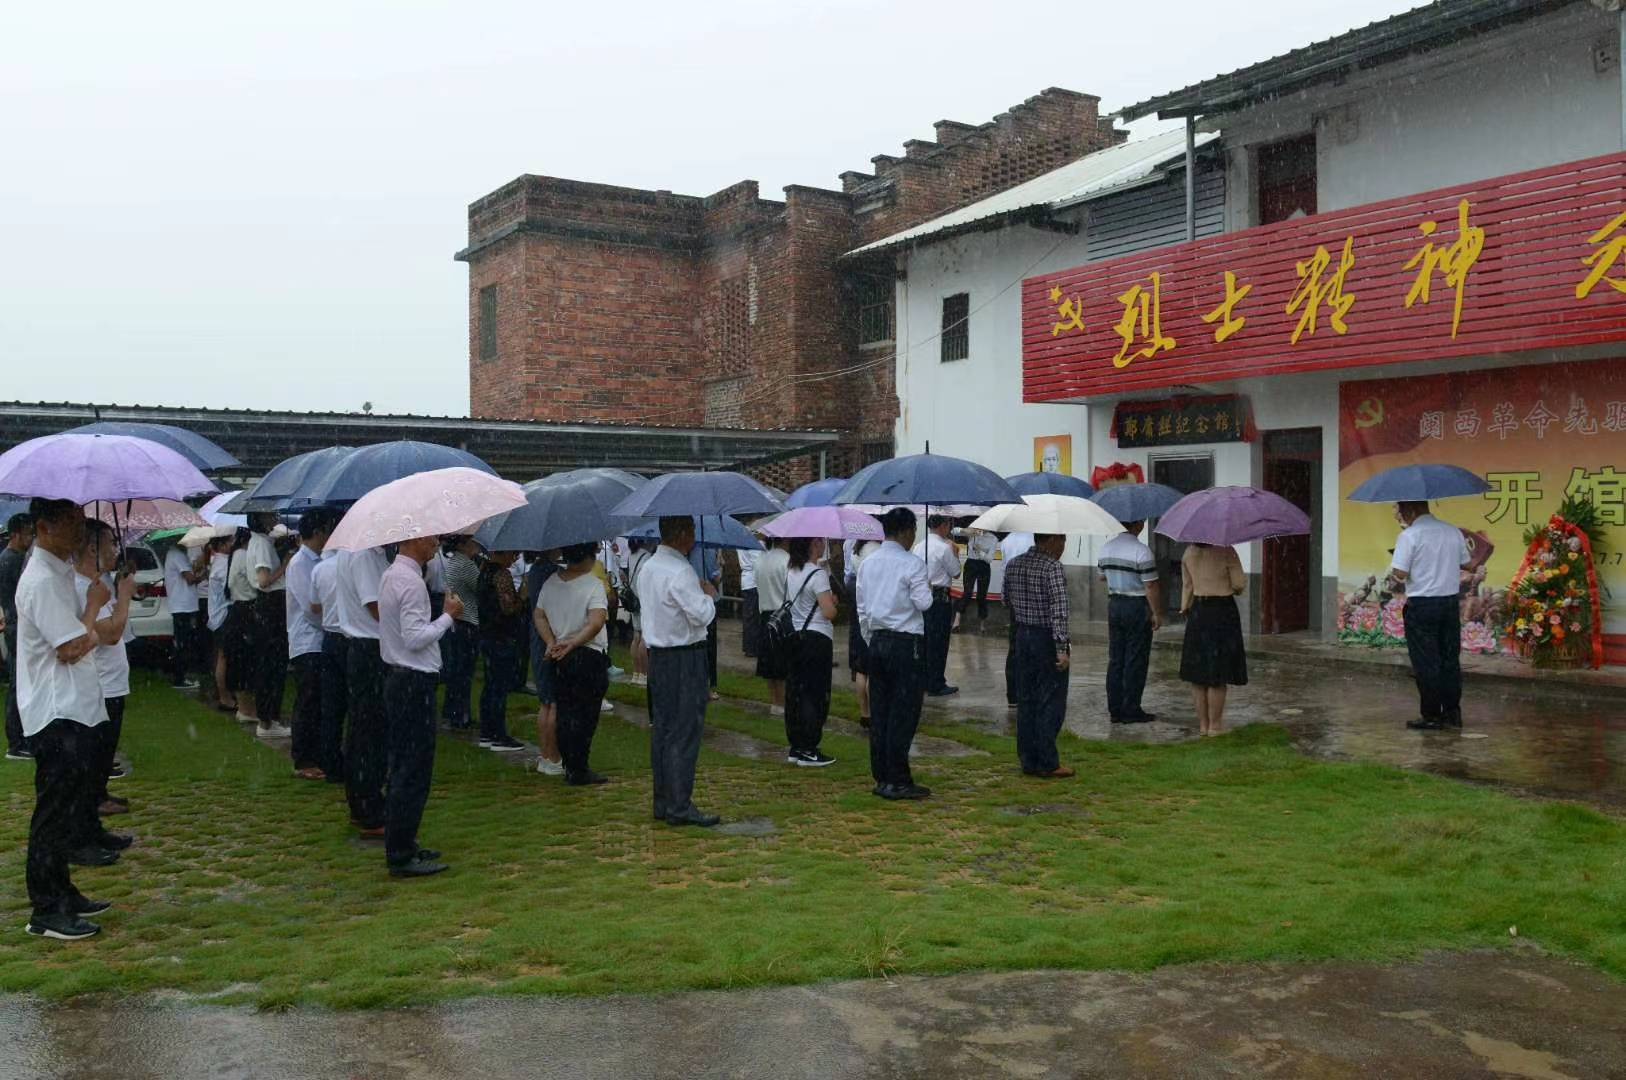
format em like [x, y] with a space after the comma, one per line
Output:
[550, 768]
[606, 706]
[274, 731]
[616, 673]
[776, 710]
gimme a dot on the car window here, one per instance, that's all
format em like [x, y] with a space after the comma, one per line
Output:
[144, 558]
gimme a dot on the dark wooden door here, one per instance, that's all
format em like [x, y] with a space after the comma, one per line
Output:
[1185, 475]
[1293, 471]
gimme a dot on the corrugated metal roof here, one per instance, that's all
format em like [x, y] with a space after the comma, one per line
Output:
[1090, 177]
[1417, 30]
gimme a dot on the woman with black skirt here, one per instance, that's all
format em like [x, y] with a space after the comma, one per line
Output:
[1213, 657]
[807, 683]
[266, 567]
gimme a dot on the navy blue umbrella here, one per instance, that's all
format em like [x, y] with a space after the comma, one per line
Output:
[563, 509]
[379, 464]
[1137, 502]
[1049, 483]
[818, 493]
[1419, 483]
[204, 453]
[277, 490]
[930, 479]
[699, 493]
[712, 530]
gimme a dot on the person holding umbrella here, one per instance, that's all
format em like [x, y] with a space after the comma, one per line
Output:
[1213, 657]
[893, 598]
[99, 555]
[807, 687]
[1134, 614]
[303, 617]
[266, 570]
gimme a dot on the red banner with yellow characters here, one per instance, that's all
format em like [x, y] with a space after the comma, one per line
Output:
[1536, 433]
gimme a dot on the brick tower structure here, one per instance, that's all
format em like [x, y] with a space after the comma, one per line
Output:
[592, 302]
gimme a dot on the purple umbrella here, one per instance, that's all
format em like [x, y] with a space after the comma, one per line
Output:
[828, 522]
[98, 468]
[1224, 516]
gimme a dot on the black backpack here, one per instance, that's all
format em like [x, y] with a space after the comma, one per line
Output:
[780, 627]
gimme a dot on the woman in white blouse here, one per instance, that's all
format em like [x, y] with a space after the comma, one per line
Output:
[571, 613]
[807, 683]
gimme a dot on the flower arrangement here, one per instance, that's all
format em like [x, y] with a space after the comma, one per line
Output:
[1555, 616]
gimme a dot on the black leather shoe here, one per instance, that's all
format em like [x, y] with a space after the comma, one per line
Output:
[914, 791]
[1426, 725]
[428, 854]
[115, 841]
[1451, 721]
[418, 867]
[85, 906]
[693, 817]
[586, 779]
[943, 691]
[93, 856]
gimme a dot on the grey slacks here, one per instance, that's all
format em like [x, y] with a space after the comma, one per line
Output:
[679, 690]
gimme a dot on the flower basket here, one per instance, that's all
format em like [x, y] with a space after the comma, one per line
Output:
[1555, 616]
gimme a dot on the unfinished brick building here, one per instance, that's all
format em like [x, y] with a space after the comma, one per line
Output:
[593, 302]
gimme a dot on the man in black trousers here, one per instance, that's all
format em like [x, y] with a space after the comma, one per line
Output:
[366, 740]
[676, 608]
[19, 538]
[893, 597]
[1134, 613]
[335, 669]
[409, 645]
[942, 563]
[1036, 590]
[1429, 558]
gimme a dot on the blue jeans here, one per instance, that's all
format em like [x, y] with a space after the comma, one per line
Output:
[502, 678]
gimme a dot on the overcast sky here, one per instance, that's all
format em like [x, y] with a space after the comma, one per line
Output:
[256, 206]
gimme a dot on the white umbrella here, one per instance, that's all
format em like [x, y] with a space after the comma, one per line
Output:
[441, 502]
[1065, 514]
[203, 534]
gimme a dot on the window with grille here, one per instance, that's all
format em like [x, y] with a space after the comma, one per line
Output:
[488, 323]
[875, 318]
[956, 327]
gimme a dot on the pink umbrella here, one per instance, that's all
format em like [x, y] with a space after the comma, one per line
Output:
[142, 516]
[440, 502]
[828, 522]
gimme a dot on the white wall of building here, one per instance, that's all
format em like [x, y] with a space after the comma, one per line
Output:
[1521, 99]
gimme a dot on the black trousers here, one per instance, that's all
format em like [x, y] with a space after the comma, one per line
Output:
[1041, 699]
[271, 661]
[897, 670]
[458, 652]
[977, 575]
[678, 695]
[107, 745]
[807, 690]
[502, 679]
[307, 719]
[409, 698]
[1010, 657]
[65, 762]
[14, 718]
[579, 683]
[366, 740]
[939, 623]
[1129, 654]
[750, 622]
[1434, 640]
[184, 657]
[335, 704]
[711, 655]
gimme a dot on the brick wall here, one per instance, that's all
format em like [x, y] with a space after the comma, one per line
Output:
[639, 306]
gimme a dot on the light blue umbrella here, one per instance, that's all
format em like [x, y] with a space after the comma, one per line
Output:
[1049, 483]
[203, 452]
[929, 479]
[277, 488]
[1419, 483]
[703, 493]
[381, 463]
[818, 493]
[1137, 502]
[712, 531]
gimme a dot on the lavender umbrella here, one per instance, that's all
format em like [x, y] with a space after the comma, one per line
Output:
[826, 522]
[91, 468]
[1223, 516]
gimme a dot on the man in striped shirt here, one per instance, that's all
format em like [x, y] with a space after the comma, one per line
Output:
[1134, 611]
[1036, 590]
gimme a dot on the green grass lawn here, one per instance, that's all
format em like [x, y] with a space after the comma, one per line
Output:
[247, 881]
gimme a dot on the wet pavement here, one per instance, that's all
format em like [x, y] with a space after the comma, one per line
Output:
[1517, 1013]
[1559, 738]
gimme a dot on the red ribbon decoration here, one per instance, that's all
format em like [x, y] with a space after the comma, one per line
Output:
[1115, 473]
[1593, 593]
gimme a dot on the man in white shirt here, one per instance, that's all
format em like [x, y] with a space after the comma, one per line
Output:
[979, 572]
[893, 596]
[675, 608]
[366, 752]
[1134, 612]
[772, 569]
[937, 551]
[1430, 556]
[266, 569]
[304, 619]
[335, 668]
[97, 846]
[59, 698]
[409, 645]
[182, 576]
[750, 607]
